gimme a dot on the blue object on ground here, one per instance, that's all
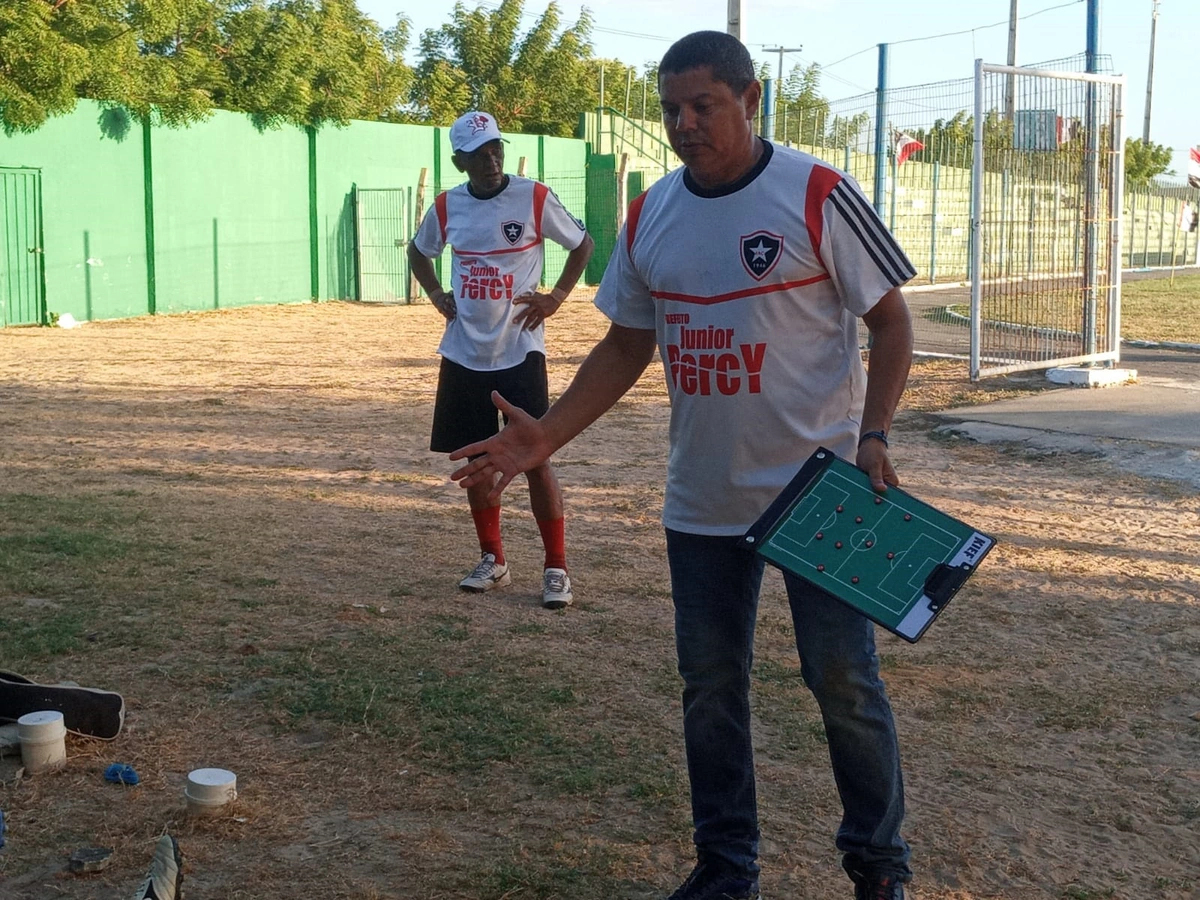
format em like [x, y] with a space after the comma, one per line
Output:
[119, 773]
[1, 828]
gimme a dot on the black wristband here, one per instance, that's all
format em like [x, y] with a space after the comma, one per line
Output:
[878, 435]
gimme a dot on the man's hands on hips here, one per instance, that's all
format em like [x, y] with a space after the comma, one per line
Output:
[443, 302]
[537, 307]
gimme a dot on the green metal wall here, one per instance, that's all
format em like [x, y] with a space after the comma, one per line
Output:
[142, 220]
[564, 169]
[231, 221]
[601, 211]
[369, 155]
[93, 204]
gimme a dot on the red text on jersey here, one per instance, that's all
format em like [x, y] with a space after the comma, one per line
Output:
[486, 283]
[726, 372]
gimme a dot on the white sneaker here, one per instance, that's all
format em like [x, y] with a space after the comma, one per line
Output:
[556, 589]
[487, 575]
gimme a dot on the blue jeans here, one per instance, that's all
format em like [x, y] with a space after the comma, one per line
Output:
[715, 585]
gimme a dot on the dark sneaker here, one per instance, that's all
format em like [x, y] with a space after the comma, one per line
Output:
[87, 711]
[164, 880]
[708, 882]
[879, 887]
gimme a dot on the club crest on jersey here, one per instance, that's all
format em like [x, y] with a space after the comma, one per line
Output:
[512, 231]
[760, 252]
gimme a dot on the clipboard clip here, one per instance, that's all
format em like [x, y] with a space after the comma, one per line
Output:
[943, 583]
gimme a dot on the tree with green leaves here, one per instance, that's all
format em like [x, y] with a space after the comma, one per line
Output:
[305, 62]
[801, 113]
[1145, 160]
[537, 82]
[311, 63]
[52, 53]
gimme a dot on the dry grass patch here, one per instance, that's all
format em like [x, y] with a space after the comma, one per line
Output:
[232, 519]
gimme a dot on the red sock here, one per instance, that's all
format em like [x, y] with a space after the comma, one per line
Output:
[554, 539]
[487, 526]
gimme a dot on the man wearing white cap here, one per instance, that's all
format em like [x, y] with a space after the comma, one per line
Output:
[495, 337]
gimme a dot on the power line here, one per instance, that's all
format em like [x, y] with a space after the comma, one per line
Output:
[934, 37]
[495, 4]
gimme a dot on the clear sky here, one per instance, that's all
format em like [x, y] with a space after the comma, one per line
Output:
[833, 32]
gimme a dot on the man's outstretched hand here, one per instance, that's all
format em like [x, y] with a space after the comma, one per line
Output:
[520, 446]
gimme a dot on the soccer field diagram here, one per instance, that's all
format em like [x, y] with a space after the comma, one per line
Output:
[893, 557]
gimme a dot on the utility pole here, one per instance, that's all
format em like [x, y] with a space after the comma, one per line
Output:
[733, 24]
[773, 97]
[781, 51]
[1150, 75]
[1010, 93]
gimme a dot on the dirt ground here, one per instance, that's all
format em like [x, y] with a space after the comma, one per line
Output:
[271, 583]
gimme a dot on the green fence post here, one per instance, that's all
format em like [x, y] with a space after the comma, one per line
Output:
[933, 223]
[1174, 234]
[895, 188]
[1162, 228]
[1030, 232]
[1146, 236]
[1004, 248]
[314, 245]
[437, 183]
[44, 312]
[358, 294]
[408, 238]
[601, 214]
[148, 194]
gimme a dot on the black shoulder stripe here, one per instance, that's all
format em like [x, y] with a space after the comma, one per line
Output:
[888, 240]
[852, 222]
[871, 231]
[876, 239]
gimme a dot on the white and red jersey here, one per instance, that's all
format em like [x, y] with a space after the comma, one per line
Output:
[496, 257]
[754, 291]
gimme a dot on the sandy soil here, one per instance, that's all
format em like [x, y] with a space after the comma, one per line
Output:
[272, 465]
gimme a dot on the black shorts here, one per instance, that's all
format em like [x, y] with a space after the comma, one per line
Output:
[464, 413]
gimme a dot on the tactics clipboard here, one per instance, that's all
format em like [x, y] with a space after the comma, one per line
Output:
[892, 557]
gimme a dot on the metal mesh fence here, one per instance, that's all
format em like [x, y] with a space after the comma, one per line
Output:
[383, 226]
[1047, 279]
[1158, 223]
[571, 188]
[925, 191]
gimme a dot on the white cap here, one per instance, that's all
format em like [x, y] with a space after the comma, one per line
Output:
[472, 130]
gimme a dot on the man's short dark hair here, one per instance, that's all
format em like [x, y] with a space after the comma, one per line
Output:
[727, 57]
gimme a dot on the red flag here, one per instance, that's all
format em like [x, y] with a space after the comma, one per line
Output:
[1194, 167]
[906, 145]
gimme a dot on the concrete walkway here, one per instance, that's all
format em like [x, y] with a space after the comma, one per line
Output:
[1150, 428]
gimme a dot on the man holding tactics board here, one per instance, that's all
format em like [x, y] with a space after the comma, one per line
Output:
[749, 268]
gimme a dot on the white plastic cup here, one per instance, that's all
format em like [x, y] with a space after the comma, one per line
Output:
[208, 790]
[43, 737]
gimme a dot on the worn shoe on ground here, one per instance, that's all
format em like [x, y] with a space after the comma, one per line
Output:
[165, 879]
[709, 882]
[487, 575]
[879, 887]
[556, 589]
[87, 711]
